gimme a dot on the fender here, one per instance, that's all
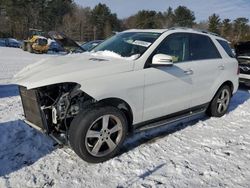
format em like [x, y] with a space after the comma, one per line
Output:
[127, 86]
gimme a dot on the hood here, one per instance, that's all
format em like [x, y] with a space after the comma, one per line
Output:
[70, 68]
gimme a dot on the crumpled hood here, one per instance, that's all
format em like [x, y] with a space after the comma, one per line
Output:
[71, 68]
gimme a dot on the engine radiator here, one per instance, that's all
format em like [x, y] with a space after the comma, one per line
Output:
[31, 106]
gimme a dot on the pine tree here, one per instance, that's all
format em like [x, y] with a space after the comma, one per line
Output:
[226, 28]
[214, 23]
[100, 16]
[183, 17]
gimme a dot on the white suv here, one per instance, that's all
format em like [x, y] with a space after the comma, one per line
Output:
[137, 79]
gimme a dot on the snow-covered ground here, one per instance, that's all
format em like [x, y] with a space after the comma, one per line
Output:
[210, 152]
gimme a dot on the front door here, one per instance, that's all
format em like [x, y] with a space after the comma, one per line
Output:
[169, 89]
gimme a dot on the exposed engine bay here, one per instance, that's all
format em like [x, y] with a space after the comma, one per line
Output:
[58, 105]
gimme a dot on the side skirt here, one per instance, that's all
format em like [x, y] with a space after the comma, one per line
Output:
[158, 122]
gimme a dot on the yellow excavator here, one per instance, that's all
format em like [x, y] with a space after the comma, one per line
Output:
[36, 42]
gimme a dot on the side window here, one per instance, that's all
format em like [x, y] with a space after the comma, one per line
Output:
[226, 47]
[175, 45]
[202, 47]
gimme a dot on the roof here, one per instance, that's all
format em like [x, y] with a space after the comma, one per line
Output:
[179, 29]
[147, 30]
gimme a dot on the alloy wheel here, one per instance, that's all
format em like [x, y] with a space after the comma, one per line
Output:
[223, 101]
[103, 135]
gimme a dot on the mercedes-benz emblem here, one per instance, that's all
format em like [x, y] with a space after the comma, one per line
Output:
[245, 68]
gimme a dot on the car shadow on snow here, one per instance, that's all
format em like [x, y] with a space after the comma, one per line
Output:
[151, 135]
[21, 146]
[240, 97]
[9, 90]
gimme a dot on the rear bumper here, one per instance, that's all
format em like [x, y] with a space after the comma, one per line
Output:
[244, 81]
[244, 78]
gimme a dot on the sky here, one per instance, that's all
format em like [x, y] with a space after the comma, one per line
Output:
[202, 8]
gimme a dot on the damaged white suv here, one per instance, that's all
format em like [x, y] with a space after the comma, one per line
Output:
[135, 80]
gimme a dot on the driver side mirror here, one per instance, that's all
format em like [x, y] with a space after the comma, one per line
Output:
[162, 60]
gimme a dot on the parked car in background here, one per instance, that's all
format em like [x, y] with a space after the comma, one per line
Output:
[68, 44]
[2, 42]
[243, 55]
[54, 46]
[88, 46]
[133, 81]
[10, 42]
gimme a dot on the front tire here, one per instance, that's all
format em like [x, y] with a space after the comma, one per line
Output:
[97, 134]
[220, 103]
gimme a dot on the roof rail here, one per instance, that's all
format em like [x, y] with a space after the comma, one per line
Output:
[199, 30]
[173, 28]
[208, 32]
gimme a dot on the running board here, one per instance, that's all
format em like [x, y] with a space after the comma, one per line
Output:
[168, 119]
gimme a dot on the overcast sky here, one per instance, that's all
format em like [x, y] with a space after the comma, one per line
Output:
[202, 8]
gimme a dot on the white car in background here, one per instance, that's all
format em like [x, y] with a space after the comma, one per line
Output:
[135, 80]
[243, 56]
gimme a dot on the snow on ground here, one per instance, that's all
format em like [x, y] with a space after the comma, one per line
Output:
[14, 59]
[209, 152]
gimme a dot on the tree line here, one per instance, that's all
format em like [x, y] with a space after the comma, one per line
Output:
[84, 23]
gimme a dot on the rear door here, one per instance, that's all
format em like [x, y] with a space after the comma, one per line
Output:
[207, 65]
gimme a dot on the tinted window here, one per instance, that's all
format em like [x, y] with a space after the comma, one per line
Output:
[175, 45]
[226, 47]
[202, 47]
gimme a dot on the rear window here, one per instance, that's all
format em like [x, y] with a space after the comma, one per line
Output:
[201, 47]
[226, 47]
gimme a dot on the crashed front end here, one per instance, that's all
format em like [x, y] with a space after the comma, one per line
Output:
[51, 109]
[243, 56]
[244, 65]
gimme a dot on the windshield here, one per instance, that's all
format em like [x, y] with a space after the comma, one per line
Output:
[128, 44]
[90, 45]
[13, 40]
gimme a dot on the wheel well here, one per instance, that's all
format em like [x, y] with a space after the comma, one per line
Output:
[123, 106]
[230, 84]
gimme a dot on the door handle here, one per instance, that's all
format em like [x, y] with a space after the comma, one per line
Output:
[221, 67]
[189, 72]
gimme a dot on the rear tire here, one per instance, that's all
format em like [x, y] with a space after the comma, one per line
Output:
[220, 103]
[97, 134]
